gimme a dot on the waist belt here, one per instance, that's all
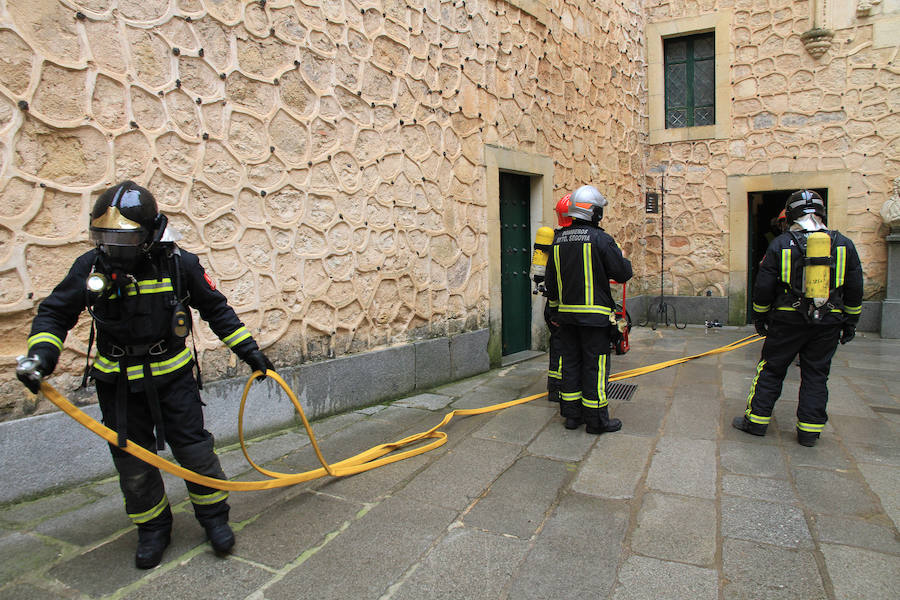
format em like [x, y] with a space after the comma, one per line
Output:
[138, 354]
[156, 348]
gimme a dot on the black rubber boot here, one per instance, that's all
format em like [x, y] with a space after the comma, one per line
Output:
[807, 438]
[598, 422]
[221, 537]
[152, 544]
[553, 395]
[573, 423]
[744, 424]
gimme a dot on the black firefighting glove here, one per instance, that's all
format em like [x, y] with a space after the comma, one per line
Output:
[46, 362]
[848, 332]
[258, 361]
[762, 327]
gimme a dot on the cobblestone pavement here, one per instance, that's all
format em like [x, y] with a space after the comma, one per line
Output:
[676, 505]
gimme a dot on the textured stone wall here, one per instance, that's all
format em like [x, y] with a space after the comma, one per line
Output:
[324, 157]
[791, 113]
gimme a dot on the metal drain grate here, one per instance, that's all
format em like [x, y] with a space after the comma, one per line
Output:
[620, 391]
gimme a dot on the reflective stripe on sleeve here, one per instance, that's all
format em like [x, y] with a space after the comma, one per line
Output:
[45, 337]
[786, 265]
[840, 266]
[241, 334]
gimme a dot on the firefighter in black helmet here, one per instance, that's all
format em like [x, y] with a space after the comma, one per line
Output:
[583, 260]
[807, 298]
[138, 287]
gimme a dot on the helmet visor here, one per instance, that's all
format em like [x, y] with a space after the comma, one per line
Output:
[118, 237]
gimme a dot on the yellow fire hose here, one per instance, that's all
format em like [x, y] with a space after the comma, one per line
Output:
[364, 461]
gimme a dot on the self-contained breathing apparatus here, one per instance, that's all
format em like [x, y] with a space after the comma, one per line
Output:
[813, 297]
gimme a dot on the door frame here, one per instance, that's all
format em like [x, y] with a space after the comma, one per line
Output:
[738, 187]
[540, 169]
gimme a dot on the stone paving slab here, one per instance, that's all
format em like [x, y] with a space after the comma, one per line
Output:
[835, 493]
[641, 578]
[763, 572]
[282, 535]
[462, 474]
[758, 488]
[518, 424]
[369, 556]
[684, 466]
[862, 574]
[676, 528]
[767, 522]
[222, 580]
[517, 502]
[576, 553]
[885, 483]
[856, 532]
[467, 563]
[614, 466]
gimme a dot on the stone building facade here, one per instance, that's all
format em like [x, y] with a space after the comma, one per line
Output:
[336, 163]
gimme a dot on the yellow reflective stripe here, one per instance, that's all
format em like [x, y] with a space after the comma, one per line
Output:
[761, 308]
[840, 266]
[151, 514]
[759, 368]
[206, 499]
[786, 308]
[584, 308]
[757, 419]
[45, 337]
[135, 372]
[588, 274]
[558, 274]
[601, 382]
[853, 310]
[811, 427]
[241, 334]
[570, 396]
[557, 374]
[786, 265]
[150, 286]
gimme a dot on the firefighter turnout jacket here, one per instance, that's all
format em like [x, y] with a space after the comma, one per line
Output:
[583, 260]
[134, 320]
[779, 289]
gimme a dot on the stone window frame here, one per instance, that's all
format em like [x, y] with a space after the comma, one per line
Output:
[719, 23]
[540, 169]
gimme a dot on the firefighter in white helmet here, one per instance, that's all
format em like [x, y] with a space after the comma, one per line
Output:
[583, 260]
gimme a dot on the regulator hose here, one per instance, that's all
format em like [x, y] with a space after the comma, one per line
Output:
[372, 458]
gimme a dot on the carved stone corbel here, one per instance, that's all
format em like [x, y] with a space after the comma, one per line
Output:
[817, 41]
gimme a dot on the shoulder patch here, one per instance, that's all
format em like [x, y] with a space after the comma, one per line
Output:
[212, 284]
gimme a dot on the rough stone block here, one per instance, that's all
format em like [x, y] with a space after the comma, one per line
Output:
[767, 522]
[641, 577]
[614, 466]
[684, 466]
[676, 528]
[761, 572]
[857, 573]
[585, 534]
[468, 354]
[516, 503]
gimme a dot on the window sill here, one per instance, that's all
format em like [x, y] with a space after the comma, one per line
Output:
[684, 134]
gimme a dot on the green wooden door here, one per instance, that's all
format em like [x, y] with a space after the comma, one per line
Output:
[515, 262]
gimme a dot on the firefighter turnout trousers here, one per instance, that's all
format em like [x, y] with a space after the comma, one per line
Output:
[142, 485]
[816, 345]
[554, 372]
[585, 354]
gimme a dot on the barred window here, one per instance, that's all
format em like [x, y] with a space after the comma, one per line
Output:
[690, 74]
